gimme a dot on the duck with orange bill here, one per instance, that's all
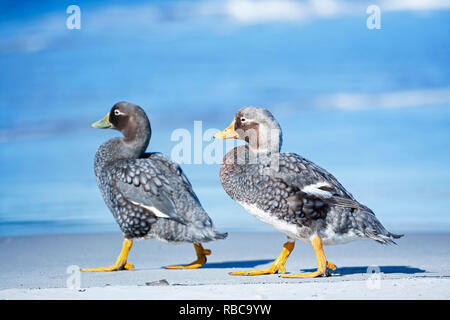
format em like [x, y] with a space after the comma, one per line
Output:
[292, 194]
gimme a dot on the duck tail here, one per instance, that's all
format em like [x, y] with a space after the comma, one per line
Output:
[381, 237]
[373, 229]
[173, 231]
[208, 234]
[220, 235]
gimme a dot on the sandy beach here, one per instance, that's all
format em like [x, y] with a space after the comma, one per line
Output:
[38, 267]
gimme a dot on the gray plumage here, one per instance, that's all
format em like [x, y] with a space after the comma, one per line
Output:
[148, 194]
[291, 192]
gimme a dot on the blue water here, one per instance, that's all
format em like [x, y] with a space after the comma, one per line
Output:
[181, 68]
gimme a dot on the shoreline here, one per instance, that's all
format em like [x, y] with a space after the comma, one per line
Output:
[38, 267]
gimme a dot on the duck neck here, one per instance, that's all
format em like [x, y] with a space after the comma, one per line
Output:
[268, 141]
[136, 136]
[117, 149]
[134, 146]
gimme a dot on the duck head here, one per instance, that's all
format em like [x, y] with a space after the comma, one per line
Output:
[258, 127]
[131, 121]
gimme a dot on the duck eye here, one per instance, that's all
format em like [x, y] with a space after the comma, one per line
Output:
[242, 119]
[117, 112]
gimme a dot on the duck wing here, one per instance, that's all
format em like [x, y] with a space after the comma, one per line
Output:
[315, 188]
[153, 183]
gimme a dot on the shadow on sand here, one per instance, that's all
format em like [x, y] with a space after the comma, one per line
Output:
[237, 264]
[340, 271]
[370, 269]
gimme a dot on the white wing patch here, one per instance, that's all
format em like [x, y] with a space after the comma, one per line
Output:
[314, 189]
[157, 213]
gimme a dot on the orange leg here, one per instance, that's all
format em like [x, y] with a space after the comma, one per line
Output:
[201, 258]
[323, 264]
[121, 262]
[277, 265]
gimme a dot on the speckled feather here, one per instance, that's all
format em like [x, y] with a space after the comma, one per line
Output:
[133, 187]
[289, 192]
[337, 218]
